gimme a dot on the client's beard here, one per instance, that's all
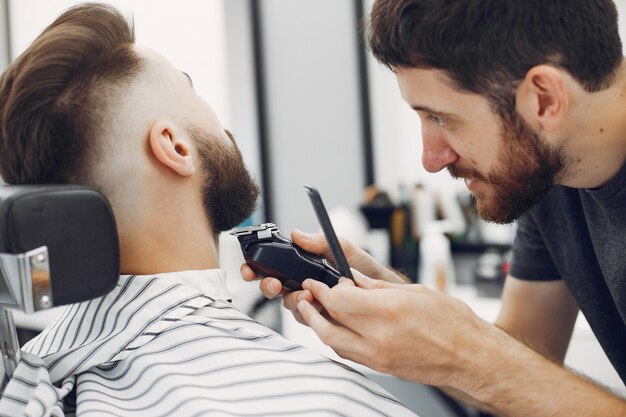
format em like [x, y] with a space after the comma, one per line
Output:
[229, 193]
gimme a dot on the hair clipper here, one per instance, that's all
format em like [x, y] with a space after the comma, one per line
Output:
[270, 254]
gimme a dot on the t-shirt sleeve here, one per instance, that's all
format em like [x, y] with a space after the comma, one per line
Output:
[531, 259]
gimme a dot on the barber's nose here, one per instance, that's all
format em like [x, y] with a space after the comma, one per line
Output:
[437, 153]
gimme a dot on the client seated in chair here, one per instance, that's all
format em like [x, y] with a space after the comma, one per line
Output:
[85, 105]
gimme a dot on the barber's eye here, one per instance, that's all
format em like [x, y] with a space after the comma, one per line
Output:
[436, 120]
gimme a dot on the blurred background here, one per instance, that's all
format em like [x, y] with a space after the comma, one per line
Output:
[308, 105]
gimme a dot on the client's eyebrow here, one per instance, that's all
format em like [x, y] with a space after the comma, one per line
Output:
[230, 135]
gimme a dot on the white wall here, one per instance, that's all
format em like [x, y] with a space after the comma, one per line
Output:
[312, 94]
[242, 87]
[621, 10]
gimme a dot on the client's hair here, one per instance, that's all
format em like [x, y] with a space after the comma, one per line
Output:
[54, 97]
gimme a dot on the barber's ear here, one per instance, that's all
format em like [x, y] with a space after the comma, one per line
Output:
[542, 97]
[172, 148]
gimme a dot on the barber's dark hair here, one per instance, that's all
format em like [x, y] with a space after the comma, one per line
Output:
[488, 46]
[53, 97]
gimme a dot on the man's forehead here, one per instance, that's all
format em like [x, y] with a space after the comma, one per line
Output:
[419, 87]
[435, 89]
[425, 77]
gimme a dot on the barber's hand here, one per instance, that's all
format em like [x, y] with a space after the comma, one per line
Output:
[316, 243]
[408, 331]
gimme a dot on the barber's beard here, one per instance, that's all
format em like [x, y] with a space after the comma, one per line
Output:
[229, 193]
[526, 169]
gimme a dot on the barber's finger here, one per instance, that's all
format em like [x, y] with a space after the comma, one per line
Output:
[319, 290]
[337, 337]
[339, 302]
[247, 273]
[344, 342]
[347, 281]
[351, 306]
[290, 299]
[363, 281]
[316, 305]
[310, 242]
[271, 287]
[296, 314]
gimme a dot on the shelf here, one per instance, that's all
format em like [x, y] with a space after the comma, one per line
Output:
[477, 248]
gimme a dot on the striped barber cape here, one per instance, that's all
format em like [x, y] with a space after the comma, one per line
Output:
[171, 345]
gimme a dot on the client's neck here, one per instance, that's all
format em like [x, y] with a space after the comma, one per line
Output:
[167, 243]
[155, 254]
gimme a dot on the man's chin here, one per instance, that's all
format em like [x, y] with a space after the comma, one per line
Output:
[493, 209]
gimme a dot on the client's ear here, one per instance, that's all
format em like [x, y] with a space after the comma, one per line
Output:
[172, 148]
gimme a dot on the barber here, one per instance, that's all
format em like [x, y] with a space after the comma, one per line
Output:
[526, 101]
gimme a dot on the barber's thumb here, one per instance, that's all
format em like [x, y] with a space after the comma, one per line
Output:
[305, 240]
[299, 235]
[363, 281]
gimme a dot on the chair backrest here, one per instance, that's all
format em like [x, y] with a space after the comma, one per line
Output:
[77, 227]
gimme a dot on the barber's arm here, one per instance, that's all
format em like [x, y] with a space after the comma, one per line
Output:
[422, 335]
[540, 314]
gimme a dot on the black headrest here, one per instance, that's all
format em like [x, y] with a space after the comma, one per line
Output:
[76, 223]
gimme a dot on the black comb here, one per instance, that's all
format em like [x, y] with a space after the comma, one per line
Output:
[329, 232]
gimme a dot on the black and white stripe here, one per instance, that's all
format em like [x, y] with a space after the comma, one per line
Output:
[155, 347]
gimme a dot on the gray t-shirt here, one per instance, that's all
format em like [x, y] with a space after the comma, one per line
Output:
[579, 236]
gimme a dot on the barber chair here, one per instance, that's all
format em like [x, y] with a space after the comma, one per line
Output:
[58, 245]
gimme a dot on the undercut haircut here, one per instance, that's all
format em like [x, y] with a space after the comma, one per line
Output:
[488, 46]
[55, 96]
